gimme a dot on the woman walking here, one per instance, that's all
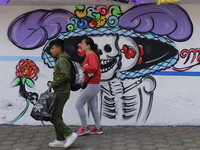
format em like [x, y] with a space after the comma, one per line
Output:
[91, 67]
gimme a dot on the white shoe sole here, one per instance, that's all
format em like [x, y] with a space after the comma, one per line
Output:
[56, 145]
[96, 133]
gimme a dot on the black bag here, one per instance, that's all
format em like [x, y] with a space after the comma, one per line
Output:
[84, 85]
[43, 109]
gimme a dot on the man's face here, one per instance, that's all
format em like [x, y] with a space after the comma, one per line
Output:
[55, 51]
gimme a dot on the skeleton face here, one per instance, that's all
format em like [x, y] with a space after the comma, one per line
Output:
[117, 53]
[109, 55]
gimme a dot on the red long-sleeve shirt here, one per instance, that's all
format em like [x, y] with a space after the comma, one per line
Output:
[90, 65]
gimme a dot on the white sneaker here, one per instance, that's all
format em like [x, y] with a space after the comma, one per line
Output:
[57, 143]
[70, 139]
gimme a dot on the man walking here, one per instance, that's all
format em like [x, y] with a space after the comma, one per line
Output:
[61, 86]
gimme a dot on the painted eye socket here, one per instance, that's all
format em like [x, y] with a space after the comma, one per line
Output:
[100, 51]
[107, 48]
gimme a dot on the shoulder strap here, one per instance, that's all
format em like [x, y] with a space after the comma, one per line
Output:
[67, 59]
[94, 74]
[63, 57]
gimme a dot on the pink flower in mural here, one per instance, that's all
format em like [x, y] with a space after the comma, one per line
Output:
[80, 52]
[26, 69]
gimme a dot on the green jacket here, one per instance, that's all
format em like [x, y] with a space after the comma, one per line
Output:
[62, 74]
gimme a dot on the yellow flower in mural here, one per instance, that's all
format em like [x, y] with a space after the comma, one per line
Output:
[102, 21]
[80, 13]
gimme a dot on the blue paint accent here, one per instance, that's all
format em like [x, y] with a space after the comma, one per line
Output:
[161, 73]
[18, 58]
[173, 73]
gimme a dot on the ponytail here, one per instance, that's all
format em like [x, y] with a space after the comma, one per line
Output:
[95, 49]
[93, 46]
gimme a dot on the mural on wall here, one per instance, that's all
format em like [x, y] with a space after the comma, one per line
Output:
[26, 72]
[4, 2]
[136, 44]
[187, 55]
[122, 1]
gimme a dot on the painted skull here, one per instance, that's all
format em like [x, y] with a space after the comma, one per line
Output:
[117, 53]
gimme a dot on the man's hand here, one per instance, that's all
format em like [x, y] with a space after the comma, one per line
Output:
[49, 84]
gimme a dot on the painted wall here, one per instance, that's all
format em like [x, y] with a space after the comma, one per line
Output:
[150, 61]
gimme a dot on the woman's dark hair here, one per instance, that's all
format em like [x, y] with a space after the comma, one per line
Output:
[93, 46]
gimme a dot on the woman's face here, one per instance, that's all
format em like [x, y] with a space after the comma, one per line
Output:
[84, 46]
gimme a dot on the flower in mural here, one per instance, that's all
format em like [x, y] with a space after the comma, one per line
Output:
[26, 71]
[80, 52]
[94, 17]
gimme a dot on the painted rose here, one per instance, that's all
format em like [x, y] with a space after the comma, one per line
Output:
[26, 69]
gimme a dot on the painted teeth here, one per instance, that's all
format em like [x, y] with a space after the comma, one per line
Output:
[108, 63]
[104, 62]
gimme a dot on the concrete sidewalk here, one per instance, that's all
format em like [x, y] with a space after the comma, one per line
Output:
[14, 137]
